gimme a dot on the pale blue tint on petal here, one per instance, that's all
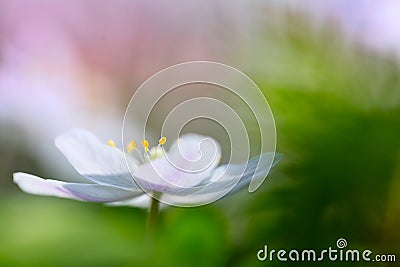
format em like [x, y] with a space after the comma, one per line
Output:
[252, 172]
[234, 176]
[123, 180]
[265, 164]
[100, 193]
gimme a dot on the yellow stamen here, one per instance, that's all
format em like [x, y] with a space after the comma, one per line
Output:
[162, 141]
[111, 143]
[145, 144]
[131, 146]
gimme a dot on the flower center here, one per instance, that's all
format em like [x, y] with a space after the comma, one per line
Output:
[156, 152]
[149, 153]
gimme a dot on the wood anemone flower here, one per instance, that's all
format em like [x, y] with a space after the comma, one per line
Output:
[128, 177]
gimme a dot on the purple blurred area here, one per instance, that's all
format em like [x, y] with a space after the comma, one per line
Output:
[372, 23]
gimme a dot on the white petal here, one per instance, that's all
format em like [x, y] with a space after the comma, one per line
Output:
[190, 161]
[37, 186]
[95, 160]
[87, 192]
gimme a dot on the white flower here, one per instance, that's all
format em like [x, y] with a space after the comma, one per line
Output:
[109, 171]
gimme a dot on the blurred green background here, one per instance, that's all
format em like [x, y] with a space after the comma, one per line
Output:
[336, 103]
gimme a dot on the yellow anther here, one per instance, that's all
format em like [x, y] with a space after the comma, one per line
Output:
[131, 146]
[145, 144]
[111, 143]
[162, 140]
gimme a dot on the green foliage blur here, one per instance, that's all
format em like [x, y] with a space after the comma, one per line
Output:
[337, 112]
